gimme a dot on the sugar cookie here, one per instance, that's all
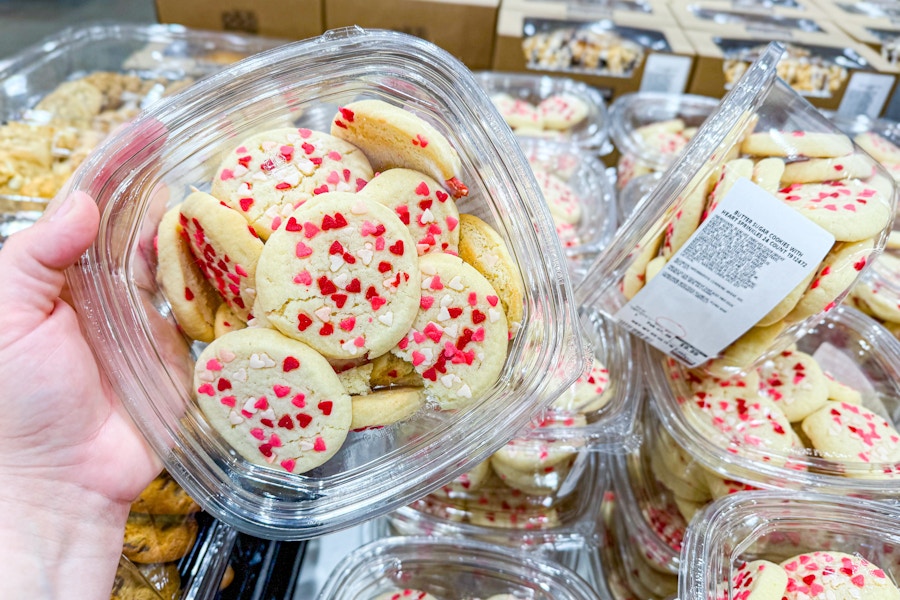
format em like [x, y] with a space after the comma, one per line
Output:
[635, 274]
[341, 275]
[534, 518]
[540, 482]
[355, 379]
[767, 174]
[468, 482]
[563, 202]
[840, 392]
[829, 575]
[757, 580]
[192, 298]
[227, 320]
[688, 508]
[797, 143]
[654, 267]
[731, 171]
[422, 205]
[226, 248]
[881, 293]
[530, 455]
[745, 350]
[795, 382]
[838, 270]
[385, 407]
[393, 137]
[787, 304]
[850, 210]
[405, 594]
[590, 392]
[562, 111]
[276, 401]
[388, 370]
[483, 248]
[880, 148]
[271, 173]
[685, 221]
[844, 432]
[719, 486]
[458, 339]
[677, 470]
[517, 113]
[817, 170]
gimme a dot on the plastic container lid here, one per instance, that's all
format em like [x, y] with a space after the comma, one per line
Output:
[636, 191]
[776, 527]
[446, 569]
[715, 324]
[849, 348]
[177, 144]
[541, 96]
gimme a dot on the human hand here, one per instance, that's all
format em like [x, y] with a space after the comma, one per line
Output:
[71, 460]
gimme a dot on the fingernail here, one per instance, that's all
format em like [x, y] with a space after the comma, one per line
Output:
[59, 207]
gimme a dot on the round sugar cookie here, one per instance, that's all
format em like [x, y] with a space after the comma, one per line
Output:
[536, 483]
[767, 173]
[563, 202]
[840, 392]
[650, 130]
[674, 468]
[830, 575]
[740, 385]
[458, 339]
[192, 298]
[532, 518]
[838, 270]
[795, 382]
[739, 424]
[562, 111]
[590, 392]
[630, 167]
[271, 173]
[757, 580]
[797, 143]
[393, 137]
[482, 247]
[530, 455]
[422, 205]
[341, 275]
[355, 379]
[731, 171]
[385, 407]
[787, 304]
[635, 276]
[226, 248]
[275, 400]
[468, 482]
[405, 594]
[817, 170]
[654, 267]
[850, 433]
[719, 487]
[849, 210]
[745, 350]
[687, 509]
[685, 221]
[881, 149]
[881, 291]
[227, 320]
[518, 113]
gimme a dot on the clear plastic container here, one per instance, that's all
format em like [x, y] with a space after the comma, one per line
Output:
[716, 326]
[581, 199]
[738, 430]
[139, 64]
[176, 144]
[650, 129]
[522, 99]
[635, 192]
[776, 527]
[451, 569]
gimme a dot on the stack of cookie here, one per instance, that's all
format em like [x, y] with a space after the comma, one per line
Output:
[337, 284]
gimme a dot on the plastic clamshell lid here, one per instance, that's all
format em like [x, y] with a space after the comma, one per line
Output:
[177, 144]
[457, 568]
[851, 347]
[758, 103]
[591, 133]
[776, 526]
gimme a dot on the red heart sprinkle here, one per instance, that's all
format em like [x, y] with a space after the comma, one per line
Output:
[325, 407]
[304, 419]
[290, 363]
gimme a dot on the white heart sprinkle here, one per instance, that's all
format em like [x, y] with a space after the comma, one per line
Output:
[341, 280]
[324, 313]
[240, 170]
[292, 179]
[493, 315]
[443, 314]
[456, 284]
[337, 261]
[244, 188]
[350, 347]
[447, 381]
[359, 208]
[387, 318]
[366, 255]
[422, 249]
[267, 414]
[427, 216]
[305, 166]
[452, 330]
[446, 300]
[240, 375]
[464, 391]
[226, 355]
[206, 376]
[234, 418]
[248, 406]
[258, 176]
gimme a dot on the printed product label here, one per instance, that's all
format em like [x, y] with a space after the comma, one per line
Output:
[665, 73]
[866, 94]
[750, 253]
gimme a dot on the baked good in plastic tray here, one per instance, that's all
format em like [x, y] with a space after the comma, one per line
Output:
[299, 479]
[650, 129]
[820, 415]
[63, 95]
[764, 149]
[450, 569]
[550, 107]
[795, 545]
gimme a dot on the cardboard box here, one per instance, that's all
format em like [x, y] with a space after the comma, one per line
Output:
[841, 75]
[656, 11]
[287, 19]
[878, 34]
[711, 16]
[465, 28]
[617, 54]
[888, 13]
[810, 9]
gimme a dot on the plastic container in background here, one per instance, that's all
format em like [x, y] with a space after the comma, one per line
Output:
[550, 107]
[58, 134]
[581, 200]
[451, 568]
[635, 192]
[177, 144]
[650, 129]
[777, 527]
[680, 296]
[846, 445]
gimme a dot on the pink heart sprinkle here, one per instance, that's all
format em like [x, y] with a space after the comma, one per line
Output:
[207, 389]
[281, 390]
[258, 433]
[492, 300]
[214, 365]
[303, 250]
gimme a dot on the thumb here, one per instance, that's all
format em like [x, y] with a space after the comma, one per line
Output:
[32, 261]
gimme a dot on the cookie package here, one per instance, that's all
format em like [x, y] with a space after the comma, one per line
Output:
[307, 341]
[425, 567]
[763, 225]
[800, 544]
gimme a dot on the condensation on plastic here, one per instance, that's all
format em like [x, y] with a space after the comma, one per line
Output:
[451, 568]
[758, 102]
[847, 344]
[630, 112]
[776, 526]
[152, 164]
[581, 173]
[591, 134]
